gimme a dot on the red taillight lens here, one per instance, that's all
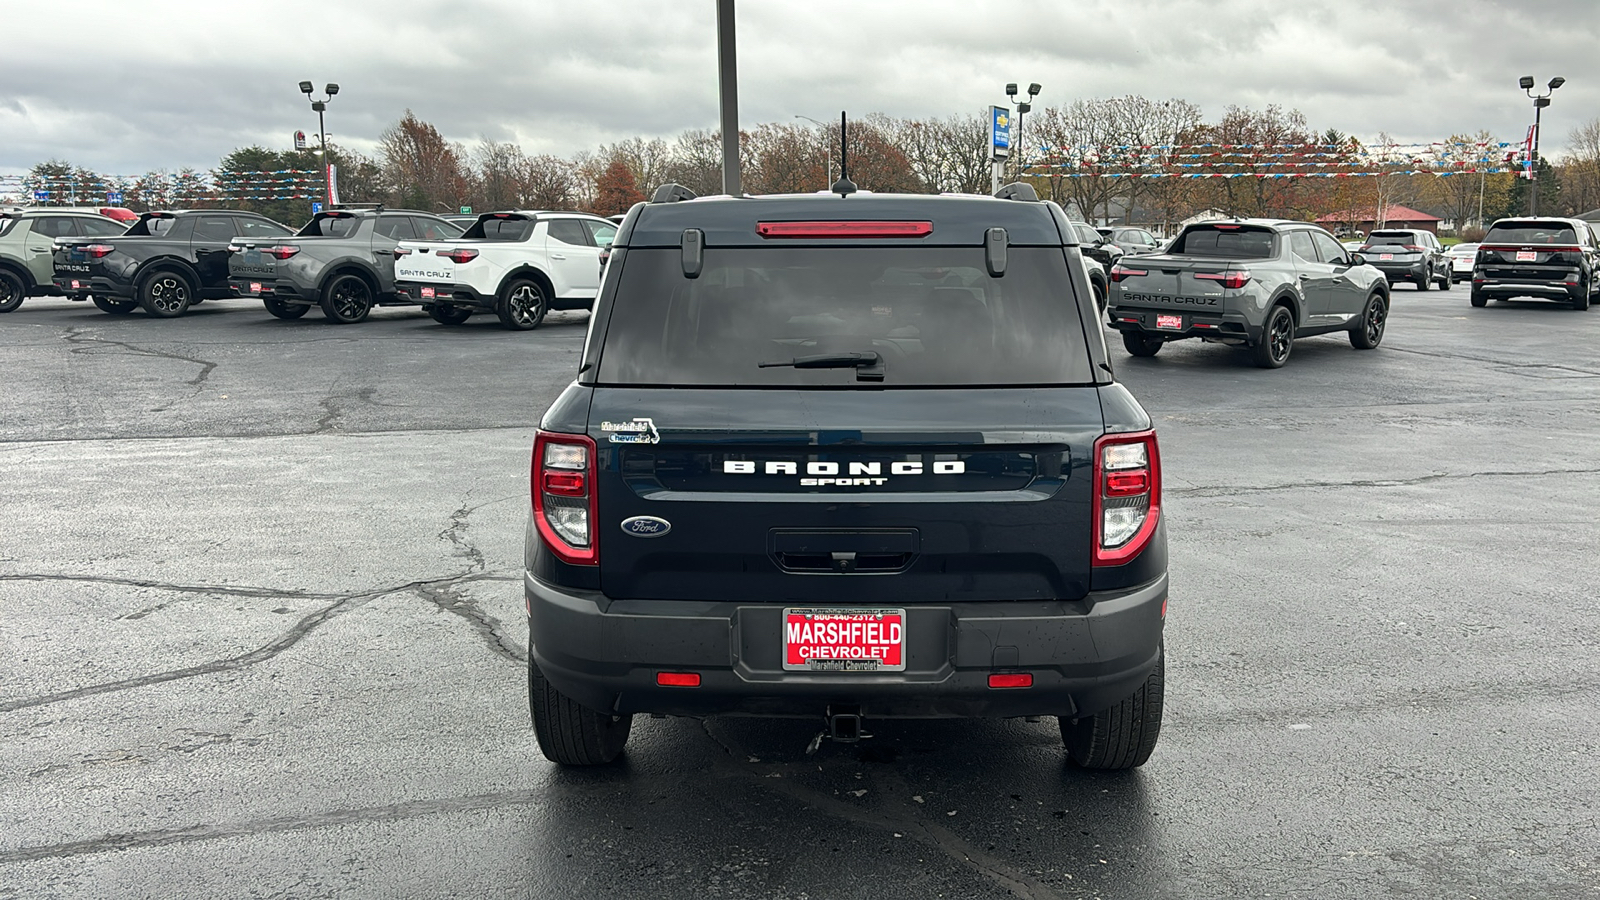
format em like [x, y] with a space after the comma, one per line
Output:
[1120, 271]
[283, 252]
[459, 255]
[1127, 495]
[678, 679]
[401, 251]
[1236, 278]
[564, 500]
[97, 251]
[844, 229]
[1011, 680]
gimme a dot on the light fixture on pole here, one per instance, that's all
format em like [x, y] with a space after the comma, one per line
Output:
[827, 148]
[1023, 108]
[320, 107]
[1540, 101]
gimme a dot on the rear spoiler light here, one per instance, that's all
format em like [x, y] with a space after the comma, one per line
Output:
[1547, 248]
[844, 229]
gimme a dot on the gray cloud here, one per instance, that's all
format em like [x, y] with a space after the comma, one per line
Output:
[185, 82]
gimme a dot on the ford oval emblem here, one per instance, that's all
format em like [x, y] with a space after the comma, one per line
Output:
[646, 526]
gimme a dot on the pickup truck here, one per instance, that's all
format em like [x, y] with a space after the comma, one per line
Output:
[27, 240]
[343, 261]
[1255, 283]
[518, 265]
[165, 262]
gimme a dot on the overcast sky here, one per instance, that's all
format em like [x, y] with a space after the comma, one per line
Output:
[124, 87]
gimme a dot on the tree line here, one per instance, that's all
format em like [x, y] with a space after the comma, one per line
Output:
[1122, 159]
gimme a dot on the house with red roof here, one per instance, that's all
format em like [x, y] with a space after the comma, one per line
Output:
[1364, 220]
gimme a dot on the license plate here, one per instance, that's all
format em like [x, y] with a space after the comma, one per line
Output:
[74, 285]
[1527, 256]
[255, 287]
[1173, 322]
[844, 640]
[1386, 256]
[427, 293]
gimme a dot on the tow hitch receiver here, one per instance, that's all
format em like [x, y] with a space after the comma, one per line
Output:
[844, 723]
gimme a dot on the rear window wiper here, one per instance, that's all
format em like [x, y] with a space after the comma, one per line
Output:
[868, 364]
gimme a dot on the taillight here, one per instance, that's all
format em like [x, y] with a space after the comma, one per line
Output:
[459, 256]
[1127, 495]
[1412, 247]
[401, 251]
[1120, 271]
[97, 251]
[282, 252]
[564, 500]
[1234, 278]
[605, 256]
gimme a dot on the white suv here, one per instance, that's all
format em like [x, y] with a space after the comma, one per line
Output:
[518, 265]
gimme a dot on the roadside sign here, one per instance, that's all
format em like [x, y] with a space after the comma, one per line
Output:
[316, 207]
[299, 140]
[41, 196]
[113, 198]
[1000, 131]
[466, 210]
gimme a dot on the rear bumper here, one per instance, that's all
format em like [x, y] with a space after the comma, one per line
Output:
[1084, 656]
[463, 296]
[1526, 287]
[81, 288]
[279, 289]
[1403, 271]
[1225, 325]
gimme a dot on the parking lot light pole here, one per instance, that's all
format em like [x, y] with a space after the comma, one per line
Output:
[827, 150]
[1540, 101]
[320, 107]
[1023, 107]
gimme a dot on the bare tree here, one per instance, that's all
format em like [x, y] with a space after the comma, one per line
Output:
[1580, 170]
[424, 170]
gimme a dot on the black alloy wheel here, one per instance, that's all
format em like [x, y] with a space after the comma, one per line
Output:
[1479, 298]
[115, 307]
[12, 290]
[1426, 281]
[347, 299]
[1277, 339]
[522, 305]
[1449, 279]
[1580, 300]
[445, 314]
[284, 310]
[166, 294]
[1368, 332]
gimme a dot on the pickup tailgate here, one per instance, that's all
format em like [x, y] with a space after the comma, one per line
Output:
[1170, 281]
[784, 497]
[428, 262]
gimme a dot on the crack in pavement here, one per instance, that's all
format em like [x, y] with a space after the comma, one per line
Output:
[163, 837]
[223, 590]
[294, 635]
[1232, 490]
[453, 601]
[84, 344]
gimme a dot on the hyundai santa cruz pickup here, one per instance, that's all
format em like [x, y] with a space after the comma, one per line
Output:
[846, 457]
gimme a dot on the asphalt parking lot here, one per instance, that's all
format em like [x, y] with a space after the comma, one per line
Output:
[263, 637]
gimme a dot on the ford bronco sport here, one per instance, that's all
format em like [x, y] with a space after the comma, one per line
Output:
[846, 456]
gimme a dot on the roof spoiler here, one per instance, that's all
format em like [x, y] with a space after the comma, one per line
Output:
[671, 193]
[1018, 191]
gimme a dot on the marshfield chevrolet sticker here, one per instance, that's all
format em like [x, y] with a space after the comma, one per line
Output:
[639, 431]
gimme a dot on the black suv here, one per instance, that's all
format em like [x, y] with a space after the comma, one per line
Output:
[1409, 254]
[1548, 258]
[846, 456]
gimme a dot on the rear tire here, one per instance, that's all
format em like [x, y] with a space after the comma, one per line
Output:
[166, 294]
[1479, 298]
[1123, 736]
[347, 299]
[12, 290]
[1368, 332]
[1449, 279]
[1140, 344]
[284, 310]
[445, 314]
[569, 733]
[1099, 296]
[522, 305]
[115, 307]
[1277, 339]
[1426, 281]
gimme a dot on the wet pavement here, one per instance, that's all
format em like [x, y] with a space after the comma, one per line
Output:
[263, 636]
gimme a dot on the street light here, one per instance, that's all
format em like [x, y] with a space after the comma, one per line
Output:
[827, 149]
[1023, 107]
[1540, 101]
[319, 107]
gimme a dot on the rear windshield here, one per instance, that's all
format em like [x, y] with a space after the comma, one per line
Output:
[933, 316]
[329, 226]
[1391, 237]
[154, 225]
[1531, 233]
[1224, 241]
[501, 229]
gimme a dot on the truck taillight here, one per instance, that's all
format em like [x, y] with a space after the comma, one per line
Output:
[1233, 278]
[97, 251]
[282, 252]
[459, 256]
[1127, 495]
[564, 502]
[1120, 271]
[401, 252]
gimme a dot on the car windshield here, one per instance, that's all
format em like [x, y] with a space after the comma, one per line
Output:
[1391, 237]
[1224, 241]
[494, 228]
[821, 316]
[1531, 233]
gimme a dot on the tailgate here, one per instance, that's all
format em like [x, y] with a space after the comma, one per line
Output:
[245, 260]
[1163, 281]
[778, 497]
[69, 260]
[420, 261]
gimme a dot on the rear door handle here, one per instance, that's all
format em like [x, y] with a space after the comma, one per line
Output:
[558, 256]
[1305, 277]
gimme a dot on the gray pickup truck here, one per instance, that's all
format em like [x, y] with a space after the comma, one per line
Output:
[1255, 283]
[343, 261]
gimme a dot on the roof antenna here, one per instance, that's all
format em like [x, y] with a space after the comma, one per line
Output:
[844, 187]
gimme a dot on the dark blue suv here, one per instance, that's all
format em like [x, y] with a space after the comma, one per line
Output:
[846, 456]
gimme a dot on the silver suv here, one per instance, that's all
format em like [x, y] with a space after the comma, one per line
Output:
[27, 240]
